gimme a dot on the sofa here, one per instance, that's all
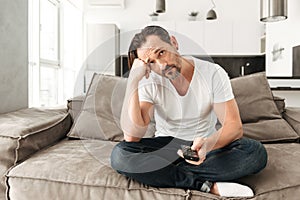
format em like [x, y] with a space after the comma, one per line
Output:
[64, 153]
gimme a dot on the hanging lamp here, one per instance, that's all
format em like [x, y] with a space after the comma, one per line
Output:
[273, 10]
[160, 6]
[211, 14]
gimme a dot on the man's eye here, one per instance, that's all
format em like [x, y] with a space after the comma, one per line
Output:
[162, 52]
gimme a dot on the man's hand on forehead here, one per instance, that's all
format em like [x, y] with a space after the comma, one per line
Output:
[147, 53]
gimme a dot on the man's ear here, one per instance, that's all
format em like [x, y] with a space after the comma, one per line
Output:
[174, 42]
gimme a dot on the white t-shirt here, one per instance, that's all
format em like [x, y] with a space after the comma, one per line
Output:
[191, 115]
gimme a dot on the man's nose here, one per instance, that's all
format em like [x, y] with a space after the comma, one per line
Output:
[162, 65]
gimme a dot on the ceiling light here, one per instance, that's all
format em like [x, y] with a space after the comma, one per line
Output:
[160, 6]
[211, 15]
[273, 10]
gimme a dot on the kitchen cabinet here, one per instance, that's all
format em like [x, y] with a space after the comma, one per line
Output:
[218, 37]
[190, 36]
[246, 38]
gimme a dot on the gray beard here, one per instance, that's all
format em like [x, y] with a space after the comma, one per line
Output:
[174, 75]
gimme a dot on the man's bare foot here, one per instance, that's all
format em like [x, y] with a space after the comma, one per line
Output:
[214, 189]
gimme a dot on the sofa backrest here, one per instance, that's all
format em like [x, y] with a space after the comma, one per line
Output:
[261, 112]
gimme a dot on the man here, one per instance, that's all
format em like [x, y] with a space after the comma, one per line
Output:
[186, 97]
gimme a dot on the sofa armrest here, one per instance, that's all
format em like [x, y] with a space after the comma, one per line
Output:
[27, 131]
[292, 116]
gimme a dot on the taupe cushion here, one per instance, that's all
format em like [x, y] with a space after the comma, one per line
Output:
[254, 98]
[26, 131]
[99, 117]
[292, 116]
[276, 130]
[260, 116]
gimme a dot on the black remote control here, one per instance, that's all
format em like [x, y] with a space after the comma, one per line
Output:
[189, 154]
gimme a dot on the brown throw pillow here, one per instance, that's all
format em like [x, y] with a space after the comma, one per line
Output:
[259, 113]
[100, 113]
[254, 98]
[292, 116]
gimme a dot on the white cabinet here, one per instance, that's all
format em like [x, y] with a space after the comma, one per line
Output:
[247, 37]
[218, 37]
[190, 36]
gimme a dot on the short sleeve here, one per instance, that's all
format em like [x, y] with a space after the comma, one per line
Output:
[146, 91]
[222, 90]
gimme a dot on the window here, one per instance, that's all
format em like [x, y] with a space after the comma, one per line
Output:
[49, 32]
[55, 50]
[49, 52]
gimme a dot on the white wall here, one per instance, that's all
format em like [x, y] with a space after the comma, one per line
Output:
[286, 34]
[135, 15]
[13, 55]
[176, 10]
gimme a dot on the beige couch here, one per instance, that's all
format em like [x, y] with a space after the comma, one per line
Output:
[65, 154]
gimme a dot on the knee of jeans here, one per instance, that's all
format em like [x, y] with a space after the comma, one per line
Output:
[117, 158]
[260, 157]
[250, 145]
[263, 156]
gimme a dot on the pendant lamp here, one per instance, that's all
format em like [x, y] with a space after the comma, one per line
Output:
[273, 10]
[211, 14]
[160, 6]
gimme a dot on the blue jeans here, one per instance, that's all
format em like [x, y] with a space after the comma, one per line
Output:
[154, 161]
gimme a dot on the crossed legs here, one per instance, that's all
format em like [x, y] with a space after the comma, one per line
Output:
[154, 161]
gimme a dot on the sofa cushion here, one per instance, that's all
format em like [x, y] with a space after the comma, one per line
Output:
[99, 117]
[259, 114]
[266, 131]
[254, 98]
[26, 131]
[80, 169]
[292, 116]
[100, 113]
